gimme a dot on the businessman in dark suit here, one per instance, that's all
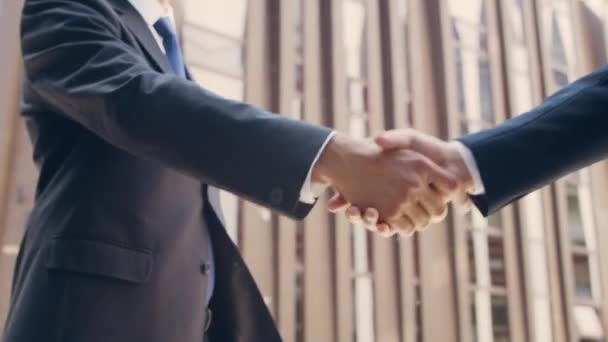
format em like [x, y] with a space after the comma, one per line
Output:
[567, 132]
[124, 243]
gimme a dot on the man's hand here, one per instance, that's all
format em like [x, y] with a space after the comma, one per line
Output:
[444, 154]
[405, 187]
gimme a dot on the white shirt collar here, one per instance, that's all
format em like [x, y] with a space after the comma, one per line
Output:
[151, 10]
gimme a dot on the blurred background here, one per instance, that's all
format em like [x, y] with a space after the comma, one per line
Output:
[533, 272]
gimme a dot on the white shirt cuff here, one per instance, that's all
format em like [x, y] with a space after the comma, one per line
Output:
[471, 164]
[312, 190]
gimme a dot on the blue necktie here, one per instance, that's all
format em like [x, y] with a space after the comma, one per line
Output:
[172, 49]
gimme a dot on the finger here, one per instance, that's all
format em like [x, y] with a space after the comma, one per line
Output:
[337, 203]
[354, 215]
[419, 216]
[402, 225]
[384, 227]
[464, 203]
[370, 218]
[391, 140]
[434, 203]
[446, 183]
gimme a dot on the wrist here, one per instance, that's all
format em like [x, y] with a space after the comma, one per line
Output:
[325, 169]
[459, 165]
[336, 160]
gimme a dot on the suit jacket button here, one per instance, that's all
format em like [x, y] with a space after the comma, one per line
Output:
[276, 196]
[205, 267]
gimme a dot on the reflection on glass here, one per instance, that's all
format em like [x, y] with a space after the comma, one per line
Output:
[582, 276]
[517, 22]
[471, 258]
[495, 221]
[214, 51]
[473, 73]
[404, 22]
[299, 26]
[462, 104]
[357, 96]
[354, 38]
[356, 62]
[575, 220]
[559, 34]
[485, 90]
[558, 51]
[419, 336]
[500, 319]
[474, 328]
[497, 262]
[299, 309]
[560, 78]
[213, 15]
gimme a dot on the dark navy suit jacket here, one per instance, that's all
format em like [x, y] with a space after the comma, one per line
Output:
[115, 248]
[567, 132]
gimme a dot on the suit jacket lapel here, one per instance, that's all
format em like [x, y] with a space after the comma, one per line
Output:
[140, 29]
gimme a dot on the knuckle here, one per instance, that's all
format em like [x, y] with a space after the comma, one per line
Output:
[418, 163]
[407, 186]
[451, 183]
[438, 210]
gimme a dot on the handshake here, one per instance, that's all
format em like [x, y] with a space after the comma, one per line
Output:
[397, 184]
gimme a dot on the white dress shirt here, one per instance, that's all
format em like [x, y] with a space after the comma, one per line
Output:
[151, 11]
[469, 161]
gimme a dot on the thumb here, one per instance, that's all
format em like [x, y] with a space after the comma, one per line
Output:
[392, 140]
[337, 203]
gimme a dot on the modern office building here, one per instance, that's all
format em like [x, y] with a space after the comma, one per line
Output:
[536, 271]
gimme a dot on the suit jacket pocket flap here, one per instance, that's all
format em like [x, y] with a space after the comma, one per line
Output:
[100, 259]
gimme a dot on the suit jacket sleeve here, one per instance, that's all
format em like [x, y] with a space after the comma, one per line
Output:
[77, 63]
[567, 132]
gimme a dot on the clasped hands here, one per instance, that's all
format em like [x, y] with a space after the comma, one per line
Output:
[397, 184]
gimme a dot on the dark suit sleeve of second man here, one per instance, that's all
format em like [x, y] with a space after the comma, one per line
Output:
[77, 62]
[567, 132]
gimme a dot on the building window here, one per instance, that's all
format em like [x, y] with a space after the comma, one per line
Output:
[473, 79]
[404, 25]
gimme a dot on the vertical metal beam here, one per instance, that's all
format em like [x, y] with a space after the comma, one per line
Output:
[334, 101]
